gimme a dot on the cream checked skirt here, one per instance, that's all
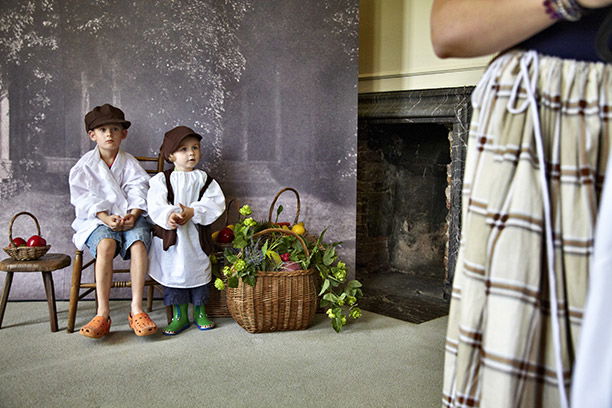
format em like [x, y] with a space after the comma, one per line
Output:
[537, 153]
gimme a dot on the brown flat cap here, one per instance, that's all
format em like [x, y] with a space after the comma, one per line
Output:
[105, 115]
[173, 138]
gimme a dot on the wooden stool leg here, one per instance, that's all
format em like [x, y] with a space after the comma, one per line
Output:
[5, 294]
[50, 291]
[150, 298]
[74, 290]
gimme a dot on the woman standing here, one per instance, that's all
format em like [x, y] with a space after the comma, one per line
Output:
[537, 153]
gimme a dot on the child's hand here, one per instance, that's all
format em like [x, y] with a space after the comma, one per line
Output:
[186, 214]
[114, 222]
[174, 220]
[129, 221]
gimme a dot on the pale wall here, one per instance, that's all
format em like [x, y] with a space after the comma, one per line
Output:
[396, 51]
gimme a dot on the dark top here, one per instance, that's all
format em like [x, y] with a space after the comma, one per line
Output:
[570, 40]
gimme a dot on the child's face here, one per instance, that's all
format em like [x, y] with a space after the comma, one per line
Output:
[108, 137]
[187, 155]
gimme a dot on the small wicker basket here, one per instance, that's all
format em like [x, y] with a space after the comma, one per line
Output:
[25, 253]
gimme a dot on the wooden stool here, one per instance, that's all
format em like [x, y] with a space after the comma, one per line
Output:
[45, 264]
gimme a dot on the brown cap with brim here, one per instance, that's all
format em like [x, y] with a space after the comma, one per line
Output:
[105, 115]
[173, 139]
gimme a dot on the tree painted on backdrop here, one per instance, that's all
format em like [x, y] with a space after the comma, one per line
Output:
[172, 60]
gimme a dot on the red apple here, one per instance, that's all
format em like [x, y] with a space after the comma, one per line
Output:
[17, 242]
[225, 236]
[36, 241]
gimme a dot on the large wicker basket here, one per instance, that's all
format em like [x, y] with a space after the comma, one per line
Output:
[280, 300]
[25, 253]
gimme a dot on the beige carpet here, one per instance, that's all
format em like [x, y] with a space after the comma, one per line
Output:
[376, 362]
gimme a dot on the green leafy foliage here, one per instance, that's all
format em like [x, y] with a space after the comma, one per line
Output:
[277, 252]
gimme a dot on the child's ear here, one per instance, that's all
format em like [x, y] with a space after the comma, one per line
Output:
[92, 135]
[124, 134]
[171, 157]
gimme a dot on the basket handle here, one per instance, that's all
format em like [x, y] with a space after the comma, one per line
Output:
[227, 209]
[297, 196]
[286, 232]
[15, 217]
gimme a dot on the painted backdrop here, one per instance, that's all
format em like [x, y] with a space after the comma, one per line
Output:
[272, 85]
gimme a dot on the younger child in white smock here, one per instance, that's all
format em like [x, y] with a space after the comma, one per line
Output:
[180, 264]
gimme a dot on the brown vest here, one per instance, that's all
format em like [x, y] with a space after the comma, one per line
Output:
[169, 236]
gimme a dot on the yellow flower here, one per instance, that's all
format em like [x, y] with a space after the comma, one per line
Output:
[227, 271]
[245, 210]
[240, 265]
[219, 284]
[355, 313]
[340, 275]
[250, 222]
[330, 313]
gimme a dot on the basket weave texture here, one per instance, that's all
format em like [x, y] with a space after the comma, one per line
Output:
[25, 253]
[217, 300]
[279, 301]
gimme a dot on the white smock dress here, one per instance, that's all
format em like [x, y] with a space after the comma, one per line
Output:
[183, 265]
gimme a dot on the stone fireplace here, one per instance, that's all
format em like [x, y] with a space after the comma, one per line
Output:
[411, 149]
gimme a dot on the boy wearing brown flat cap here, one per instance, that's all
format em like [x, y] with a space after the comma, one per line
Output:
[180, 201]
[108, 189]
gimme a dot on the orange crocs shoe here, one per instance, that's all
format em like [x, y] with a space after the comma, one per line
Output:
[142, 324]
[97, 327]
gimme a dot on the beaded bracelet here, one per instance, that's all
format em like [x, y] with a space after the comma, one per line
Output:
[568, 10]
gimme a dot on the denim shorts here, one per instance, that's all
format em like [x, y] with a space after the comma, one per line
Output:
[124, 239]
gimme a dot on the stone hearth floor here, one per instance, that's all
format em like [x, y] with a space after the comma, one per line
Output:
[402, 296]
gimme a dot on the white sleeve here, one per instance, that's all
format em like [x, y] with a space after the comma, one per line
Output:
[210, 206]
[136, 186]
[85, 201]
[157, 201]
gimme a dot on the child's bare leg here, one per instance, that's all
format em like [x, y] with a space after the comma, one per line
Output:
[139, 321]
[139, 265]
[105, 252]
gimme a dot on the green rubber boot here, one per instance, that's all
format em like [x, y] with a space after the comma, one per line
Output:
[201, 320]
[180, 320]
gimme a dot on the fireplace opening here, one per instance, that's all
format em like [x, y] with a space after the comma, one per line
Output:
[402, 227]
[411, 150]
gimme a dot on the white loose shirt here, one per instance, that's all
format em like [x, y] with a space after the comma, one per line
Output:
[592, 381]
[183, 265]
[95, 187]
